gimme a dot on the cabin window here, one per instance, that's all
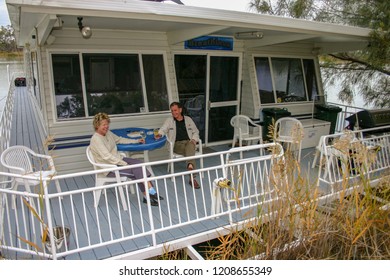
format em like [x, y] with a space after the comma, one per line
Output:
[288, 76]
[191, 76]
[311, 81]
[113, 83]
[283, 80]
[67, 86]
[264, 80]
[155, 82]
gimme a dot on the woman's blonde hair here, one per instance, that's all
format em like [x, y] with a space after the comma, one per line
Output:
[98, 118]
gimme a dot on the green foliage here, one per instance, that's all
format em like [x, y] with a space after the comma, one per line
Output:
[300, 9]
[364, 72]
[7, 39]
[286, 8]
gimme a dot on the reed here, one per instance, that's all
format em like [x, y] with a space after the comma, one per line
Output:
[356, 226]
[353, 227]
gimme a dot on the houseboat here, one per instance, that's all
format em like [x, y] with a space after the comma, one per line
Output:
[131, 59]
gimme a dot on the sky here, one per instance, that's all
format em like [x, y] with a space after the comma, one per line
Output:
[4, 19]
[235, 5]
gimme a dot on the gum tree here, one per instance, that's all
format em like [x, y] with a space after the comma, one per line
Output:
[7, 39]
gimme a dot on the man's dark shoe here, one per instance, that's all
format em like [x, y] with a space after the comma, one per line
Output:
[195, 184]
[153, 202]
[156, 197]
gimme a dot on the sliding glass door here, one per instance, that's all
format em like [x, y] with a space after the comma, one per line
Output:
[209, 89]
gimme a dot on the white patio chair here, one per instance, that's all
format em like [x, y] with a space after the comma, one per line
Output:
[341, 160]
[173, 155]
[241, 125]
[290, 131]
[22, 160]
[101, 179]
[318, 151]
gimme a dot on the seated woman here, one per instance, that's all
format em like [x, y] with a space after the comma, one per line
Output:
[103, 147]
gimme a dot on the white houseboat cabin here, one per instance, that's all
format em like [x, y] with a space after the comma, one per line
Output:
[139, 56]
[131, 59]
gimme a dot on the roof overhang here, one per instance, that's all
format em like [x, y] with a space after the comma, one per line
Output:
[179, 22]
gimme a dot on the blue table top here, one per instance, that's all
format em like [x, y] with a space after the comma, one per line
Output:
[150, 142]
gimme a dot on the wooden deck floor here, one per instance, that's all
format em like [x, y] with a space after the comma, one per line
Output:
[25, 130]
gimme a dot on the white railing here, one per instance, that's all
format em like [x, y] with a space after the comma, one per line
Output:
[5, 135]
[6, 119]
[354, 158]
[252, 185]
[346, 111]
[243, 174]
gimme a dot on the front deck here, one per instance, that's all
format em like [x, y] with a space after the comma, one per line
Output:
[184, 218]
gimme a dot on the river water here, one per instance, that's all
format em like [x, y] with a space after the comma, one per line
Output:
[331, 93]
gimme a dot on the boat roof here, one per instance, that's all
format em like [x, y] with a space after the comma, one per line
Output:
[179, 22]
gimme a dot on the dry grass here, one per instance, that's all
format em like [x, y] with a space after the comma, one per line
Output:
[356, 226]
[353, 227]
[174, 255]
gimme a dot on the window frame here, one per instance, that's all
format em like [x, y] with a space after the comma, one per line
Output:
[304, 78]
[80, 54]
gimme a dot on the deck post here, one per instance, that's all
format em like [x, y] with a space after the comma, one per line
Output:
[49, 221]
[216, 198]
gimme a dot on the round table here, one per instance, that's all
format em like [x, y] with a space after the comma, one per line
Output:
[150, 142]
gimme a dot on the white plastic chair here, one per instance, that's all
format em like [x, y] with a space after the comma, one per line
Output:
[22, 160]
[318, 151]
[101, 179]
[241, 125]
[289, 130]
[340, 160]
[172, 155]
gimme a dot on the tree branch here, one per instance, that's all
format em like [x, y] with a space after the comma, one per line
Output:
[361, 62]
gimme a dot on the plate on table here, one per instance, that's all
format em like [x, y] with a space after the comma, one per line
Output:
[134, 134]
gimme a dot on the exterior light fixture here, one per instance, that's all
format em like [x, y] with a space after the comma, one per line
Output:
[248, 35]
[86, 31]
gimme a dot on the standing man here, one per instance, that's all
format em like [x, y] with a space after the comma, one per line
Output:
[182, 131]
